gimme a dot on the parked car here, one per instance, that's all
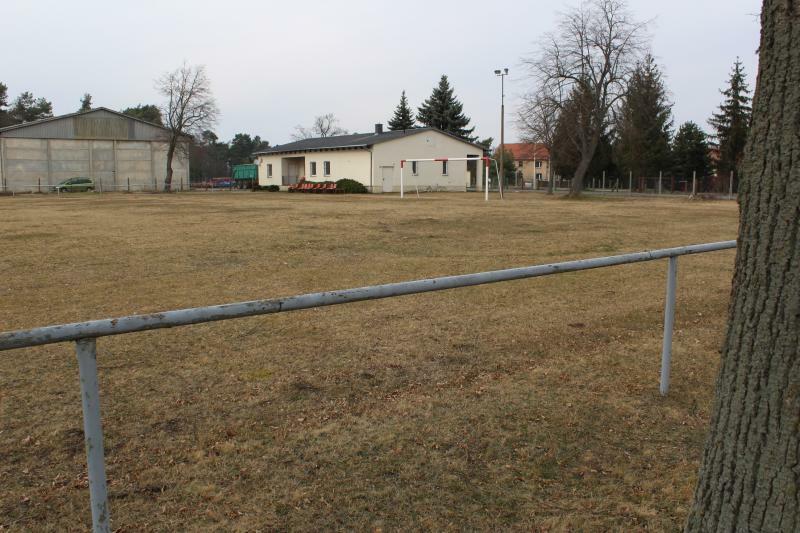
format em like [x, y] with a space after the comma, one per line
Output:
[74, 185]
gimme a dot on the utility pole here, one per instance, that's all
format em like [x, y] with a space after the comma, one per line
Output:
[502, 73]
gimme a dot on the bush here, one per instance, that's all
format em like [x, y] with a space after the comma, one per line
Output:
[268, 188]
[351, 186]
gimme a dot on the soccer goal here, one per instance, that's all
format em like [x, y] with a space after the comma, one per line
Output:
[444, 160]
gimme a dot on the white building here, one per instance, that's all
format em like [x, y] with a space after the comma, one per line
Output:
[374, 160]
[114, 150]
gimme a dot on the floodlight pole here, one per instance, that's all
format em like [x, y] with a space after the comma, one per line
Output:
[502, 73]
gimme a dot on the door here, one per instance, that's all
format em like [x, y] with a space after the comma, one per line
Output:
[387, 178]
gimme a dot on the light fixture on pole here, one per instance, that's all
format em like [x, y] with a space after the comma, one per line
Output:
[501, 174]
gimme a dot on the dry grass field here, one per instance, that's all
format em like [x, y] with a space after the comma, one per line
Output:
[528, 405]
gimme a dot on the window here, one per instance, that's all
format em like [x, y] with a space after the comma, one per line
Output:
[444, 168]
[326, 168]
[414, 169]
[538, 175]
[539, 163]
[269, 170]
[313, 165]
[519, 164]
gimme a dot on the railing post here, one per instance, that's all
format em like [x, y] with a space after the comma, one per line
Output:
[93, 433]
[669, 322]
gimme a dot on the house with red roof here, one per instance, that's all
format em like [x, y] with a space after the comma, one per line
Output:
[533, 163]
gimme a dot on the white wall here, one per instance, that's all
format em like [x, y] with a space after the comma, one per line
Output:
[353, 164]
[426, 145]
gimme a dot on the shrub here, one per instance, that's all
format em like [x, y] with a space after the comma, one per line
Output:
[351, 186]
[268, 188]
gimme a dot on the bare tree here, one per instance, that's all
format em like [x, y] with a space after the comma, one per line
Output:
[537, 119]
[750, 471]
[324, 126]
[586, 64]
[189, 109]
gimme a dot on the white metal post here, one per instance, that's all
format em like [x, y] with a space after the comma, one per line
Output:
[669, 322]
[402, 164]
[486, 184]
[93, 433]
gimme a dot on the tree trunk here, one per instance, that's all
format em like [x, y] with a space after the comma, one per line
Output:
[750, 474]
[170, 155]
[587, 154]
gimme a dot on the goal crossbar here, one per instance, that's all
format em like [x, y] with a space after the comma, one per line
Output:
[485, 160]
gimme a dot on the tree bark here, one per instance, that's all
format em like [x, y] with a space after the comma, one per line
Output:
[576, 185]
[170, 155]
[750, 474]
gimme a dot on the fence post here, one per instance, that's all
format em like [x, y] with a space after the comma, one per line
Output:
[630, 182]
[694, 183]
[129, 185]
[660, 173]
[39, 184]
[669, 322]
[730, 187]
[93, 433]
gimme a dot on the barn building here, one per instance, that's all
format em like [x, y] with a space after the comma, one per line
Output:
[116, 151]
[374, 160]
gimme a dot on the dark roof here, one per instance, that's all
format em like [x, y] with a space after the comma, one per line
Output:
[353, 140]
[78, 113]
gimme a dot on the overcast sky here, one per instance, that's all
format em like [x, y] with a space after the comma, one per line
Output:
[275, 65]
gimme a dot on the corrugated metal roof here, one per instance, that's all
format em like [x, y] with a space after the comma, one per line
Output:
[98, 123]
[354, 140]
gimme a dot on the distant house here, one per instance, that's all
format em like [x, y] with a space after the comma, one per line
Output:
[533, 161]
[374, 160]
[114, 150]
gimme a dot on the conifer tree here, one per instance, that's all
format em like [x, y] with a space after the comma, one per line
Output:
[690, 152]
[644, 123]
[732, 123]
[86, 103]
[403, 118]
[5, 120]
[26, 108]
[443, 111]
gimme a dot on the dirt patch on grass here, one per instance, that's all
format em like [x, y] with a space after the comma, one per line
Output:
[524, 405]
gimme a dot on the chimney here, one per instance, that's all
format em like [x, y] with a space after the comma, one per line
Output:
[378, 128]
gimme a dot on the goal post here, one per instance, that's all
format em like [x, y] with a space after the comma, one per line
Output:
[485, 160]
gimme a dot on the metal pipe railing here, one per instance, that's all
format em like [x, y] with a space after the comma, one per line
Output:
[85, 333]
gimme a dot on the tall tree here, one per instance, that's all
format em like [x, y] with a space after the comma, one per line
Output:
[749, 477]
[5, 120]
[403, 118]
[732, 123]
[189, 108]
[644, 122]
[324, 126]
[208, 158]
[242, 147]
[147, 112]
[444, 111]
[86, 102]
[690, 152]
[26, 108]
[537, 119]
[594, 54]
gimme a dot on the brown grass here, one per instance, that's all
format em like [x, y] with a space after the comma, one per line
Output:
[524, 405]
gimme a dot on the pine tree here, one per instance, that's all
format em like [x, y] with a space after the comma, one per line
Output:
[26, 108]
[690, 152]
[644, 123]
[443, 111]
[403, 118]
[732, 123]
[86, 103]
[5, 120]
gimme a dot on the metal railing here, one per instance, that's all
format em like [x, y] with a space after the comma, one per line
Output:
[85, 333]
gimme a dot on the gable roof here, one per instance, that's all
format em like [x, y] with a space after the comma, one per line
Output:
[528, 151]
[81, 113]
[353, 140]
